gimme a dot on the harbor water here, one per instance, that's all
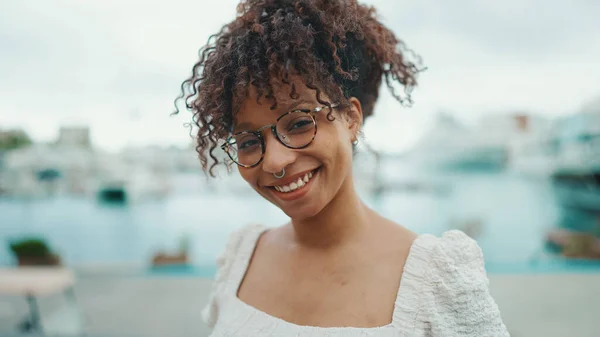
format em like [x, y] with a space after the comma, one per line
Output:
[508, 215]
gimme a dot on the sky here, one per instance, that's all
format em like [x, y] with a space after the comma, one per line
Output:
[116, 66]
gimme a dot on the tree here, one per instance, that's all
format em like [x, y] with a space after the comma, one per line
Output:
[13, 139]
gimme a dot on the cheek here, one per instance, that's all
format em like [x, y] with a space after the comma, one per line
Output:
[344, 157]
[343, 149]
[335, 151]
[249, 175]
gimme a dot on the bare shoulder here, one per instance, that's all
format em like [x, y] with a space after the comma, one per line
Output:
[270, 244]
[397, 235]
[274, 236]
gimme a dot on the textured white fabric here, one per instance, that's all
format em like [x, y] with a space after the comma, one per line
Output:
[443, 292]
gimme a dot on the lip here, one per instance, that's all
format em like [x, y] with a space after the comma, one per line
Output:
[300, 192]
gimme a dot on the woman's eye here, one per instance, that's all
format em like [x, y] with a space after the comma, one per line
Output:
[301, 124]
[248, 145]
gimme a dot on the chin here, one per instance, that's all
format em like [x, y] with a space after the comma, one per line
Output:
[302, 212]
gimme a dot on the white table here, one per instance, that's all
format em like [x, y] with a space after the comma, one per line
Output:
[33, 282]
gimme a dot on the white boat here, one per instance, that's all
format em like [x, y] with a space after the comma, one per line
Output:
[452, 145]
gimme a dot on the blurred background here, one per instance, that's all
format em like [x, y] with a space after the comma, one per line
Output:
[99, 181]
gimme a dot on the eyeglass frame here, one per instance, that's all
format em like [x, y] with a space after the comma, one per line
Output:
[273, 127]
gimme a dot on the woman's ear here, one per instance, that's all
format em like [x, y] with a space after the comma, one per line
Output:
[354, 116]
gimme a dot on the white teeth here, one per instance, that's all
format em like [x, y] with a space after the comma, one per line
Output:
[296, 184]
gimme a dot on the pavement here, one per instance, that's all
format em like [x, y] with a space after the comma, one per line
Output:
[548, 305]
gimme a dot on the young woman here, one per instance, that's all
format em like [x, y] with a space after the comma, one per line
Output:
[284, 89]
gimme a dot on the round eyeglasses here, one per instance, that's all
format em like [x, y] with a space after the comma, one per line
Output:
[295, 129]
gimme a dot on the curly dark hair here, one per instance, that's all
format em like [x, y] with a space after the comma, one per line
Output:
[335, 46]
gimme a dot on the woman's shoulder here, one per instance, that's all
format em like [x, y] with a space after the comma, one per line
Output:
[239, 244]
[452, 249]
[450, 261]
[453, 286]
[239, 247]
[235, 240]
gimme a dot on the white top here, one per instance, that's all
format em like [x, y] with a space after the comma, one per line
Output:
[443, 292]
[35, 281]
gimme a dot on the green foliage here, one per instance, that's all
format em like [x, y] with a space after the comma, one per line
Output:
[31, 247]
[13, 139]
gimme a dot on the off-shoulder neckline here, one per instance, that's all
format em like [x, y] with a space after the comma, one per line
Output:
[406, 305]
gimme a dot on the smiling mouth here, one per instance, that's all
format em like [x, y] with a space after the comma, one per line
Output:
[296, 185]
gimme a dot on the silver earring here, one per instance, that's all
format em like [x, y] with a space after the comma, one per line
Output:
[279, 176]
[355, 142]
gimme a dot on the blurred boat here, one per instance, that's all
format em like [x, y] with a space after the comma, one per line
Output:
[576, 176]
[450, 145]
[576, 184]
[42, 170]
[574, 244]
[579, 190]
[114, 192]
[127, 183]
[533, 152]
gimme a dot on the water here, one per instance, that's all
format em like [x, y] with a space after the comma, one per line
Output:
[512, 214]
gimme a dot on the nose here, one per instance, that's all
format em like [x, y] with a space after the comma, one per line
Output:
[277, 156]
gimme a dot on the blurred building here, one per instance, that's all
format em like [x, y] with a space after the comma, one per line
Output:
[74, 136]
[70, 165]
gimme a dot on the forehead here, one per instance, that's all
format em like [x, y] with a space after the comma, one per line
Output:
[253, 114]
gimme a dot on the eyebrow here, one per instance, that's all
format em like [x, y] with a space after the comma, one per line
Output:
[245, 126]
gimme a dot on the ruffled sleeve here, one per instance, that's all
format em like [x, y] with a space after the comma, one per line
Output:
[225, 262]
[461, 304]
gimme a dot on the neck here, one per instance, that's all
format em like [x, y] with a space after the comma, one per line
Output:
[340, 222]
